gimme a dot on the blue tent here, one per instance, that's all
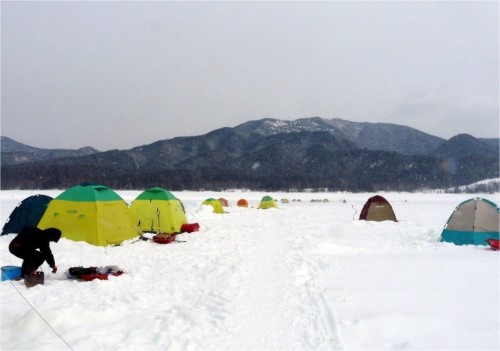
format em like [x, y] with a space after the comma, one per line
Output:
[27, 213]
[472, 223]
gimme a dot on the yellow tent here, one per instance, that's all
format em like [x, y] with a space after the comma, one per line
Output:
[157, 210]
[91, 213]
[217, 206]
[267, 202]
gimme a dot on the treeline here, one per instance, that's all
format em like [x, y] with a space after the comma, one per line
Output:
[484, 188]
[289, 166]
[381, 176]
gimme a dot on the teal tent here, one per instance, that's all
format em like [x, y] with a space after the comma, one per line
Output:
[26, 214]
[472, 223]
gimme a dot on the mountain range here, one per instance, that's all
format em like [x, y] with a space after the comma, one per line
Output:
[266, 154]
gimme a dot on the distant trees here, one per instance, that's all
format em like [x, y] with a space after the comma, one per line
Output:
[265, 170]
[483, 188]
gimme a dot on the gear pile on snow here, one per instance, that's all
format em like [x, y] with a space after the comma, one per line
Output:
[91, 273]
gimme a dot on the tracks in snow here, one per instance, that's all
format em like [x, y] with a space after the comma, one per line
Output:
[272, 301]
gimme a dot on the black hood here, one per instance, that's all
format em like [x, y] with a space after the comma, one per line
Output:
[53, 234]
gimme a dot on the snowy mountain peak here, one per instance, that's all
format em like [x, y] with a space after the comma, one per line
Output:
[270, 126]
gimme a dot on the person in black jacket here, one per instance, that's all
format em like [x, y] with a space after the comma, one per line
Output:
[32, 245]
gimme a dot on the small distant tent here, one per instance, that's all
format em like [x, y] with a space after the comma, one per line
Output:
[217, 206]
[377, 208]
[26, 214]
[472, 222]
[91, 213]
[285, 201]
[224, 202]
[267, 202]
[242, 203]
[158, 210]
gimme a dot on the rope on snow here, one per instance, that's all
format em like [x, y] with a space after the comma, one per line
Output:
[40, 315]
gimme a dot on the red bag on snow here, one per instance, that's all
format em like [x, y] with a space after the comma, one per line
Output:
[494, 244]
[190, 227]
[164, 238]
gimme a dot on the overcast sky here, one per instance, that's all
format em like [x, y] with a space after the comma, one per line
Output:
[115, 75]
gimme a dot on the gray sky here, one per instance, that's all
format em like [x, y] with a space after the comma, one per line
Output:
[124, 74]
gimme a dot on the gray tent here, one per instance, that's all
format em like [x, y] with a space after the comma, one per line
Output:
[472, 222]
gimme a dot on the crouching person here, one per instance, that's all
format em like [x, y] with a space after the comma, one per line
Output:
[32, 246]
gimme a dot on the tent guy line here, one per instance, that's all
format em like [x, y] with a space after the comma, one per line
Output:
[40, 315]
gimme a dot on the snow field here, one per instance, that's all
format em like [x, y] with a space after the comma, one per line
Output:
[305, 276]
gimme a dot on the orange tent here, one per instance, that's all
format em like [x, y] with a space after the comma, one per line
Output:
[224, 202]
[242, 203]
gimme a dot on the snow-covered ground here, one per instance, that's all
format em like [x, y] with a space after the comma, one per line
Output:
[305, 276]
